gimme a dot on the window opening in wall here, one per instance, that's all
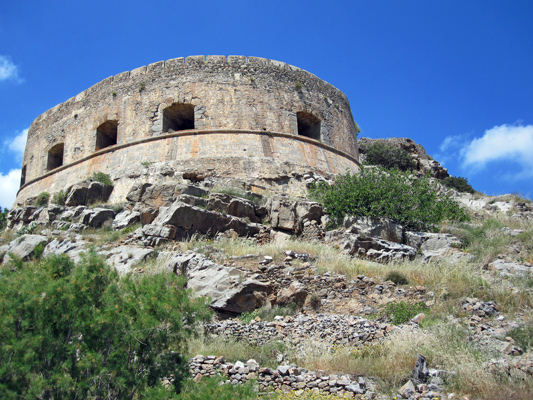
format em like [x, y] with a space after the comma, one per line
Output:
[308, 125]
[55, 157]
[23, 176]
[106, 134]
[178, 117]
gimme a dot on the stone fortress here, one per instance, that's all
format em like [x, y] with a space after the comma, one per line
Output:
[246, 118]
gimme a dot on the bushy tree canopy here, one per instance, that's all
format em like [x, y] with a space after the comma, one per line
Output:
[80, 332]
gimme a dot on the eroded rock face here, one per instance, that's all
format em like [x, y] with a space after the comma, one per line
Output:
[376, 249]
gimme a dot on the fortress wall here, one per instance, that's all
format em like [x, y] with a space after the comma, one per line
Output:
[248, 156]
[227, 93]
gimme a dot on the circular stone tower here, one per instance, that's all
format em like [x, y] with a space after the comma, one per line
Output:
[236, 117]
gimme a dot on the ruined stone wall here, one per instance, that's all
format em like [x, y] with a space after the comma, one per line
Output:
[234, 93]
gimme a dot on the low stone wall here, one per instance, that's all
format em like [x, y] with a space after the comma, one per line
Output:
[253, 157]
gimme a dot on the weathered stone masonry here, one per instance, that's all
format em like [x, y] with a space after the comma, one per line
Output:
[235, 116]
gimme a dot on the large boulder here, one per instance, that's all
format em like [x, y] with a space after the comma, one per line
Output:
[230, 292]
[231, 205]
[126, 218]
[380, 227]
[124, 258]
[71, 247]
[24, 246]
[291, 215]
[95, 217]
[87, 193]
[189, 220]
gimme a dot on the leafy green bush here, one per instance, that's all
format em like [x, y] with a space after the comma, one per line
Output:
[402, 312]
[101, 177]
[59, 198]
[397, 277]
[81, 332]
[388, 156]
[403, 197]
[42, 199]
[216, 388]
[458, 183]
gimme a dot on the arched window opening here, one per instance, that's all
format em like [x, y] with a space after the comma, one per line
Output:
[178, 117]
[308, 125]
[55, 157]
[106, 134]
[23, 176]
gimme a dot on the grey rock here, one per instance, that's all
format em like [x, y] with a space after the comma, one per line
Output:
[379, 227]
[189, 220]
[24, 246]
[95, 217]
[376, 249]
[229, 290]
[124, 258]
[166, 232]
[87, 193]
[72, 248]
[421, 371]
[126, 218]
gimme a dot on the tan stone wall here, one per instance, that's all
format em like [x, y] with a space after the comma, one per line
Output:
[256, 158]
[239, 93]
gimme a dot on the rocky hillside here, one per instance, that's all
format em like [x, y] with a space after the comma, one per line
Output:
[367, 310]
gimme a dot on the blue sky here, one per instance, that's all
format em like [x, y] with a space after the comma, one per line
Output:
[454, 76]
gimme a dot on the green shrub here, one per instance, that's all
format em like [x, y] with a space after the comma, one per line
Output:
[388, 156]
[101, 177]
[403, 197]
[42, 199]
[397, 277]
[402, 312]
[81, 332]
[458, 183]
[59, 198]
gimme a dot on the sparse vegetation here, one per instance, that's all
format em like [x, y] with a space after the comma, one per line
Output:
[59, 198]
[401, 312]
[298, 86]
[142, 86]
[42, 199]
[388, 156]
[405, 198]
[101, 177]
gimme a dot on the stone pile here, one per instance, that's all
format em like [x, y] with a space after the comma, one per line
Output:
[332, 329]
[285, 378]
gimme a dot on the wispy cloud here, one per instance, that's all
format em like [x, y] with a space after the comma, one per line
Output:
[10, 184]
[513, 143]
[8, 70]
[18, 144]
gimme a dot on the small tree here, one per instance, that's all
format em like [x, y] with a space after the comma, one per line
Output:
[3, 218]
[79, 332]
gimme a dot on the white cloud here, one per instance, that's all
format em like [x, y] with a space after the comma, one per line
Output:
[8, 70]
[452, 142]
[10, 184]
[513, 143]
[18, 144]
